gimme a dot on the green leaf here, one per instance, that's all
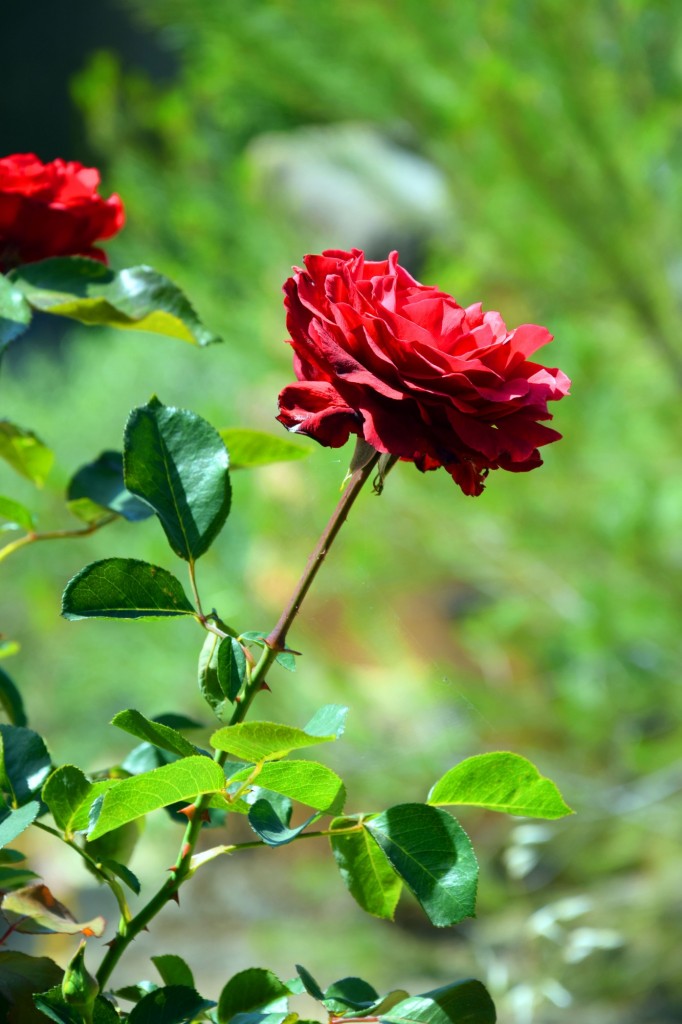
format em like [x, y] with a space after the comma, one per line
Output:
[273, 829]
[252, 991]
[464, 1002]
[307, 782]
[330, 720]
[15, 313]
[86, 290]
[231, 667]
[16, 515]
[124, 588]
[10, 700]
[251, 448]
[368, 875]
[500, 782]
[350, 994]
[101, 482]
[153, 732]
[263, 741]
[53, 1005]
[80, 822]
[25, 452]
[309, 983]
[209, 683]
[177, 462]
[15, 878]
[24, 762]
[7, 649]
[20, 976]
[174, 1004]
[122, 872]
[133, 798]
[66, 790]
[117, 846]
[15, 821]
[286, 659]
[173, 970]
[35, 911]
[433, 855]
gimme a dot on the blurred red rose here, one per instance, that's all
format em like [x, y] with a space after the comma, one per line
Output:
[52, 210]
[403, 366]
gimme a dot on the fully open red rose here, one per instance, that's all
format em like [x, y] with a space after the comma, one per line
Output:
[52, 210]
[403, 366]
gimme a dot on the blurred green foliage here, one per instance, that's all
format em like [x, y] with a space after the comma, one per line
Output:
[542, 617]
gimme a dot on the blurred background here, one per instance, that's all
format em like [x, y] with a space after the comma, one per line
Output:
[522, 153]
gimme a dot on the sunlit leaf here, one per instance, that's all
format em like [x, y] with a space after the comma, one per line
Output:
[500, 782]
[138, 298]
[14, 821]
[307, 782]
[16, 514]
[173, 970]
[258, 741]
[66, 790]
[365, 869]
[464, 1002]
[172, 783]
[252, 990]
[25, 452]
[34, 910]
[251, 448]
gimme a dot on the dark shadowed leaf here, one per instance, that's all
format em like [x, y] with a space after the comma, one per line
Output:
[24, 762]
[252, 991]
[464, 1002]
[209, 684]
[25, 452]
[273, 829]
[309, 983]
[101, 481]
[231, 667]
[251, 448]
[124, 588]
[138, 298]
[174, 1004]
[433, 855]
[500, 782]
[10, 700]
[365, 869]
[350, 994]
[66, 790]
[177, 462]
[153, 732]
[20, 976]
[54, 1007]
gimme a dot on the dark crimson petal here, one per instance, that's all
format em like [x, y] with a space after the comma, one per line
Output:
[317, 410]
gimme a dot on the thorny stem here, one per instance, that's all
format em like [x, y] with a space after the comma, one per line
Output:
[275, 643]
[32, 538]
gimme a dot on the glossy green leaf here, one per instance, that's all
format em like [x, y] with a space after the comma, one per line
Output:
[307, 782]
[350, 994]
[272, 827]
[10, 700]
[286, 659]
[173, 1004]
[137, 298]
[309, 983]
[251, 448]
[66, 790]
[33, 910]
[24, 762]
[173, 970]
[153, 732]
[366, 871]
[124, 588]
[53, 1006]
[122, 871]
[209, 684]
[180, 781]
[464, 1002]
[101, 482]
[20, 976]
[177, 462]
[500, 782]
[25, 452]
[252, 990]
[13, 822]
[263, 741]
[231, 666]
[433, 855]
[17, 515]
[80, 822]
[15, 313]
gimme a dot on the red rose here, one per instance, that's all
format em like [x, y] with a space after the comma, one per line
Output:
[403, 366]
[52, 210]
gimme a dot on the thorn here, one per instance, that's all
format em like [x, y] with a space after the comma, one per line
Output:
[187, 811]
[264, 686]
[186, 850]
[175, 896]
[173, 868]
